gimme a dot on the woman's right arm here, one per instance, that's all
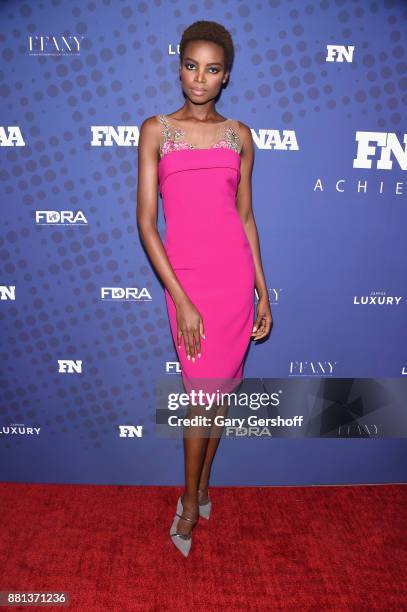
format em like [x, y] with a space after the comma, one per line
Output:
[190, 325]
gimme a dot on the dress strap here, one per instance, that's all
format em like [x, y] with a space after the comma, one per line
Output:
[166, 133]
[232, 135]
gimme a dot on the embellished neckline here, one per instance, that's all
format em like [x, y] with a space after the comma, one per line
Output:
[174, 138]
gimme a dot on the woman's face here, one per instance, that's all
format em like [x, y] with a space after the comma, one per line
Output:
[202, 70]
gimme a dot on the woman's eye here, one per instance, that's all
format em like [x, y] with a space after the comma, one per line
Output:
[188, 64]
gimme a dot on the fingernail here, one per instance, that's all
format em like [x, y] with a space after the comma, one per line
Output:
[199, 355]
[203, 336]
[193, 359]
[188, 357]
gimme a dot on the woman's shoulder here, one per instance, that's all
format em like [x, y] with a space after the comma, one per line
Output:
[149, 123]
[151, 126]
[242, 126]
[244, 131]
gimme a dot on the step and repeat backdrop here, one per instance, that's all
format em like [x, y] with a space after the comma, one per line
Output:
[86, 349]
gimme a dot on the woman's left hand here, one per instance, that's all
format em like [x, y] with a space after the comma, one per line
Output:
[264, 319]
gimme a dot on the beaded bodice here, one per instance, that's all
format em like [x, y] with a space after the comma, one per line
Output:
[176, 135]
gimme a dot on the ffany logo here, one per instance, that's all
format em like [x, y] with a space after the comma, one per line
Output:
[380, 146]
[273, 139]
[125, 294]
[274, 295]
[130, 431]
[339, 53]
[7, 292]
[69, 366]
[11, 136]
[60, 217]
[357, 430]
[107, 136]
[312, 368]
[377, 298]
[54, 45]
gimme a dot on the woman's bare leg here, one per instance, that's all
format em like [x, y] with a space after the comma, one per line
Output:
[211, 448]
[195, 443]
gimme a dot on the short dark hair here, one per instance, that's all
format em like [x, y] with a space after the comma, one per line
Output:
[213, 32]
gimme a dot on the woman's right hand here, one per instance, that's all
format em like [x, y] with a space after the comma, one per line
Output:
[190, 327]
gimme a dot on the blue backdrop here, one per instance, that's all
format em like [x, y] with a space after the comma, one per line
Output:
[84, 329]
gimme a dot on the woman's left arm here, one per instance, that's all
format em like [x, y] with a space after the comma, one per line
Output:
[264, 319]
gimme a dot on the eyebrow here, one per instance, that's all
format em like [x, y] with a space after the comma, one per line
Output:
[208, 64]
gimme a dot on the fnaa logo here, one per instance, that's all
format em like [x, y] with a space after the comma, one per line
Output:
[11, 136]
[339, 53]
[70, 366]
[130, 431]
[285, 140]
[7, 292]
[378, 147]
[107, 136]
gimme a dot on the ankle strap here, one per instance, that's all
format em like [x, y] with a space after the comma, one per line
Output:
[185, 518]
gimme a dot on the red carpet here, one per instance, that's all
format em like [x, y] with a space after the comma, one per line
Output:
[274, 548]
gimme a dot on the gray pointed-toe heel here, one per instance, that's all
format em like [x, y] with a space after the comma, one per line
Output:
[205, 509]
[182, 542]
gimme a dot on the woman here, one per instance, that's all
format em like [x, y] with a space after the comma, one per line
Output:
[210, 262]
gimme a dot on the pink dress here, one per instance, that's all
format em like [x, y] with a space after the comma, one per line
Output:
[208, 248]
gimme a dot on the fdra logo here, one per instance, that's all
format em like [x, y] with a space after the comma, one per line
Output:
[7, 292]
[54, 45]
[125, 294]
[60, 217]
[107, 136]
[10, 136]
[380, 146]
[70, 366]
[339, 53]
[130, 431]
